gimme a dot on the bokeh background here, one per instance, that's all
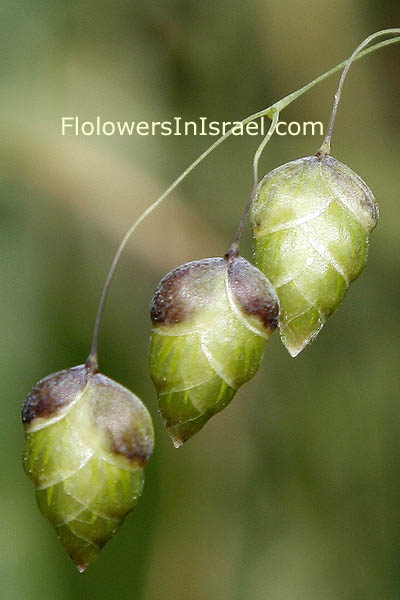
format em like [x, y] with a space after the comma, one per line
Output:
[293, 492]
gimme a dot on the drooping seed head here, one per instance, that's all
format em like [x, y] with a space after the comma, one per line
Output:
[311, 221]
[211, 319]
[87, 442]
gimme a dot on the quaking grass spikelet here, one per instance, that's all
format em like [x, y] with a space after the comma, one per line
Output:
[311, 220]
[87, 442]
[211, 320]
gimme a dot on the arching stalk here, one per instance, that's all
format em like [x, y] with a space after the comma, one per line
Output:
[234, 247]
[271, 112]
[326, 145]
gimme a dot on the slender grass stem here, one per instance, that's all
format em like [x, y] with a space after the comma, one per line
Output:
[234, 247]
[270, 112]
[326, 146]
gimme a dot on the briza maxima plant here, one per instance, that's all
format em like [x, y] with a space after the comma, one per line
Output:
[88, 438]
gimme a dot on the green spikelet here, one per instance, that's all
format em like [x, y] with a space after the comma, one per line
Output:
[87, 441]
[211, 320]
[311, 222]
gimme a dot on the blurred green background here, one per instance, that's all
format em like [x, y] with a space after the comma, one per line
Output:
[293, 492]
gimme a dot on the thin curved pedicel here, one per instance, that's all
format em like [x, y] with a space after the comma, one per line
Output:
[211, 319]
[311, 221]
[87, 442]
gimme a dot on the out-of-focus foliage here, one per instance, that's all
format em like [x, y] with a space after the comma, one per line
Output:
[294, 490]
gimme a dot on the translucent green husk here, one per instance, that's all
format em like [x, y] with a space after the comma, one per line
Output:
[211, 321]
[311, 222]
[87, 441]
